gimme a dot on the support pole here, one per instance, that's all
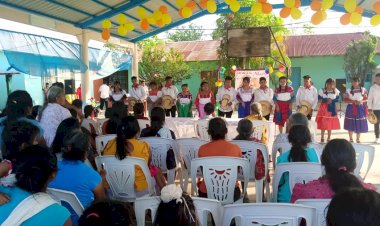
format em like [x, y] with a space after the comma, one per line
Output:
[85, 78]
[135, 65]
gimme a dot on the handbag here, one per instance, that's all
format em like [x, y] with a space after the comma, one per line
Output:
[170, 159]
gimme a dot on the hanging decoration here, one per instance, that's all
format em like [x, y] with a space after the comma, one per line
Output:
[261, 6]
[106, 34]
[281, 68]
[290, 82]
[233, 69]
[186, 9]
[353, 15]
[233, 4]
[291, 8]
[211, 6]
[320, 6]
[125, 26]
[144, 23]
[375, 20]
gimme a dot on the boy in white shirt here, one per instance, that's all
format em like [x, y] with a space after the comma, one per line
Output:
[104, 91]
[374, 103]
[227, 94]
[307, 93]
[170, 90]
[264, 93]
[137, 91]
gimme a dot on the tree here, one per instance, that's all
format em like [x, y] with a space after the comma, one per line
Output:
[158, 62]
[358, 60]
[248, 20]
[189, 33]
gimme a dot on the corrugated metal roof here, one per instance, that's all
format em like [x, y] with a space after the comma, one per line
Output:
[197, 50]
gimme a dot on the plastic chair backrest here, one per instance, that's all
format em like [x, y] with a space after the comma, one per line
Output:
[121, 175]
[68, 197]
[100, 123]
[203, 207]
[267, 214]
[321, 205]
[299, 172]
[258, 128]
[220, 175]
[143, 123]
[360, 150]
[101, 141]
[201, 127]
[159, 148]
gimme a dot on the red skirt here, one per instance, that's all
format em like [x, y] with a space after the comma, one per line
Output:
[324, 119]
[284, 110]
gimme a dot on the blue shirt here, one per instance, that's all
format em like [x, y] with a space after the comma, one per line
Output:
[284, 193]
[77, 177]
[52, 215]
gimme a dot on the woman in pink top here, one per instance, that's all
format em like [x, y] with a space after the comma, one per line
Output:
[339, 160]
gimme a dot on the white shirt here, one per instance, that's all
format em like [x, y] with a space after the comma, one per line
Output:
[374, 97]
[118, 95]
[104, 91]
[264, 95]
[310, 95]
[332, 96]
[221, 92]
[138, 93]
[52, 116]
[172, 91]
[86, 124]
[154, 98]
[245, 95]
[358, 94]
[146, 90]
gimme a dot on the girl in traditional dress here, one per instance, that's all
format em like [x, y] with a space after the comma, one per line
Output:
[245, 97]
[327, 119]
[356, 111]
[184, 102]
[283, 102]
[204, 96]
[154, 96]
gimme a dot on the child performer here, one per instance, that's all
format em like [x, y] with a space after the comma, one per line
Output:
[245, 97]
[283, 102]
[204, 96]
[374, 103]
[356, 111]
[154, 96]
[327, 118]
[184, 102]
[264, 93]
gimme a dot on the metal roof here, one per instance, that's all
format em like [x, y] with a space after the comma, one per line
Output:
[89, 14]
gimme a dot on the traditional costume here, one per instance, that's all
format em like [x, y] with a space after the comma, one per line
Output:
[327, 118]
[264, 94]
[283, 98]
[172, 91]
[374, 105]
[247, 97]
[153, 99]
[356, 114]
[308, 94]
[184, 104]
[201, 100]
[226, 96]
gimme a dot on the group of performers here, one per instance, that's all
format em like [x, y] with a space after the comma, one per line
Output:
[281, 100]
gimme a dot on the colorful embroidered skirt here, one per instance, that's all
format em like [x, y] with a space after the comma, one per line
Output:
[355, 119]
[325, 120]
[244, 112]
[283, 113]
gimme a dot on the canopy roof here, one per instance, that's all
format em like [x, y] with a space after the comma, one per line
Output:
[89, 14]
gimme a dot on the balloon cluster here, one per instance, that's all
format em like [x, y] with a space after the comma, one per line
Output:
[375, 20]
[219, 83]
[279, 74]
[320, 6]
[159, 17]
[233, 69]
[186, 9]
[268, 69]
[261, 6]
[106, 34]
[290, 82]
[281, 68]
[125, 26]
[291, 8]
[353, 15]
[233, 4]
[210, 5]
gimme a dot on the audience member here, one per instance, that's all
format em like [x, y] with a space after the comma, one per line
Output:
[88, 122]
[157, 122]
[256, 114]
[138, 111]
[77, 105]
[118, 111]
[36, 168]
[35, 111]
[299, 136]
[53, 113]
[209, 109]
[339, 161]
[65, 127]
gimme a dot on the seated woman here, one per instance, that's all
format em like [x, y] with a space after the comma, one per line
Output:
[126, 144]
[29, 204]
[138, 111]
[157, 122]
[88, 122]
[299, 137]
[257, 115]
[176, 208]
[218, 146]
[339, 161]
[118, 111]
[73, 174]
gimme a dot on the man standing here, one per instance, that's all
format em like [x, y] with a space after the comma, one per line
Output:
[374, 103]
[146, 89]
[170, 90]
[137, 91]
[226, 96]
[104, 91]
[307, 93]
[264, 93]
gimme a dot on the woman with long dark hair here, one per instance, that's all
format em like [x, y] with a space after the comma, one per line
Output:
[118, 111]
[156, 128]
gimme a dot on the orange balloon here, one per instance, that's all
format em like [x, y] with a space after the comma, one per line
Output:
[160, 23]
[316, 5]
[297, 3]
[285, 12]
[144, 24]
[376, 7]
[191, 4]
[180, 13]
[345, 19]
[359, 9]
[266, 8]
[163, 9]
[317, 18]
[106, 34]
[263, 1]
[203, 4]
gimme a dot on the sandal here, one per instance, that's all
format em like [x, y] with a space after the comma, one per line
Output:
[358, 141]
[352, 140]
[322, 140]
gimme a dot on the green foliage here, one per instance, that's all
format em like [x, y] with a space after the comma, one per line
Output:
[189, 33]
[158, 62]
[358, 60]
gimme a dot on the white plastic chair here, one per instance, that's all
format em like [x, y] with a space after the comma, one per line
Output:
[101, 142]
[286, 146]
[299, 172]
[202, 206]
[159, 148]
[143, 123]
[258, 127]
[201, 127]
[361, 150]
[121, 175]
[100, 123]
[220, 175]
[249, 150]
[189, 150]
[321, 205]
[68, 197]
[267, 214]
